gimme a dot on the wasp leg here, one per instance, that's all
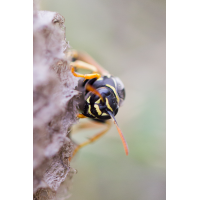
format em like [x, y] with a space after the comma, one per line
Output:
[83, 65]
[91, 124]
[94, 138]
[86, 76]
[81, 116]
[82, 56]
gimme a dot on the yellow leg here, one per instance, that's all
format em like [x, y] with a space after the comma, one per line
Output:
[73, 54]
[82, 56]
[90, 124]
[83, 65]
[86, 76]
[81, 116]
[94, 138]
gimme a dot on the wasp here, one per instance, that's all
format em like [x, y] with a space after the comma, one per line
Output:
[101, 95]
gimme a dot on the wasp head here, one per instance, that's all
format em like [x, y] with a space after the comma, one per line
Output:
[99, 105]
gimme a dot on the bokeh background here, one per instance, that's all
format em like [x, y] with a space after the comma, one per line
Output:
[128, 38]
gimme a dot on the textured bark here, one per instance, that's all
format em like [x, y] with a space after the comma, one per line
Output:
[54, 106]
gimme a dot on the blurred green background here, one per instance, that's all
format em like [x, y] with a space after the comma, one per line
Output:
[128, 38]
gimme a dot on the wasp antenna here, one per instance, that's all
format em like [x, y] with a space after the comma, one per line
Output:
[94, 91]
[120, 132]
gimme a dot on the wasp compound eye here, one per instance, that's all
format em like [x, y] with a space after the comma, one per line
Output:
[120, 90]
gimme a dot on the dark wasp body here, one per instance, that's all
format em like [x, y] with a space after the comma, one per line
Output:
[101, 95]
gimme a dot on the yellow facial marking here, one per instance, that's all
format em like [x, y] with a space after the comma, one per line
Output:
[110, 86]
[97, 109]
[89, 110]
[104, 114]
[98, 101]
[88, 99]
[108, 105]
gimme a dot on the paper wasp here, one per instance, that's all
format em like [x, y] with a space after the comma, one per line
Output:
[101, 94]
